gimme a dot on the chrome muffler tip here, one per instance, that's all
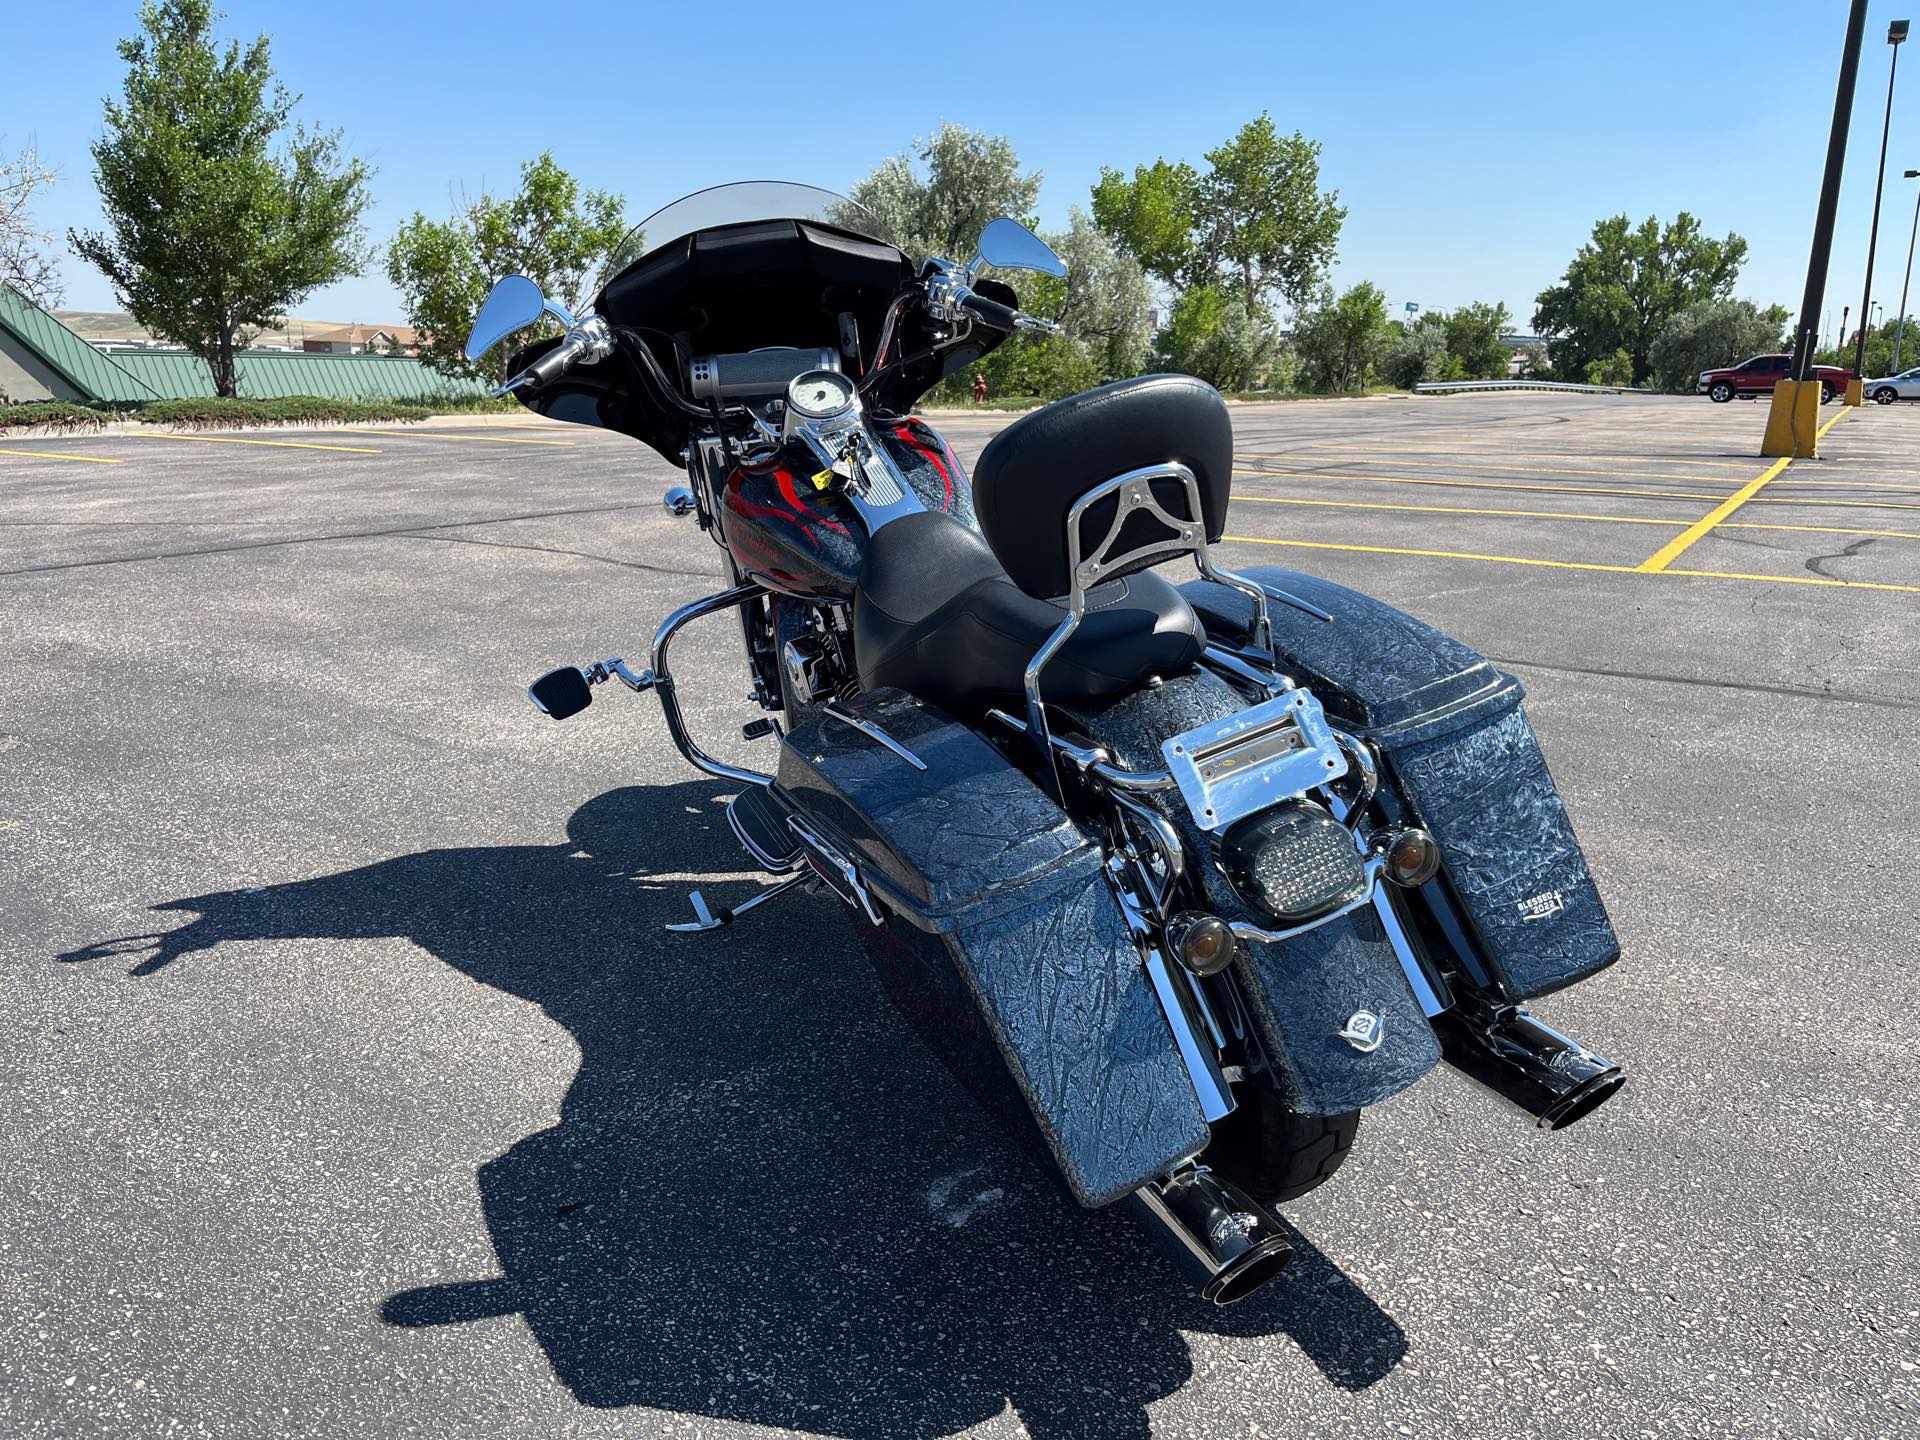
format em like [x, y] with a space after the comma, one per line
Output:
[1228, 1243]
[1555, 1079]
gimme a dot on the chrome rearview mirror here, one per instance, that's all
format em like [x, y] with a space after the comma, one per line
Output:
[514, 303]
[1009, 245]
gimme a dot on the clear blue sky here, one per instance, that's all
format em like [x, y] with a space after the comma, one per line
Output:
[1474, 144]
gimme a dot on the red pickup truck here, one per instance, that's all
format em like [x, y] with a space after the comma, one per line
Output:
[1758, 376]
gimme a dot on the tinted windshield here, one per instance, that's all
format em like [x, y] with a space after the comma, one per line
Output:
[736, 204]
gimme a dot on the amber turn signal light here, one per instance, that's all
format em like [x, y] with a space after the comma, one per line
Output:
[1202, 943]
[1413, 858]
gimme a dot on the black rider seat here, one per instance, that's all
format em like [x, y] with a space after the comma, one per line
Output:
[935, 614]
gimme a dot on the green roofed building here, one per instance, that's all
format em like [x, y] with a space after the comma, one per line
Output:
[41, 359]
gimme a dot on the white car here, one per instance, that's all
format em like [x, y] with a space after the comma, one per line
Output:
[1904, 386]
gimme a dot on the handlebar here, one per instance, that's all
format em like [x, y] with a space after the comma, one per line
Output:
[1000, 317]
[591, 339]
[556, 361]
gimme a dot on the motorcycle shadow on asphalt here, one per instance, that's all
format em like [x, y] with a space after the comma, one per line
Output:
[765, 1201]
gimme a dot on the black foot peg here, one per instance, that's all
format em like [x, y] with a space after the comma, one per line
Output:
[561, 692]
[569, 689]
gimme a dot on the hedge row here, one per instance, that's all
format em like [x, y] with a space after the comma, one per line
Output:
[212, 414]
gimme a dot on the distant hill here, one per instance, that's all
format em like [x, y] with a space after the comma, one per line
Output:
[115, 326]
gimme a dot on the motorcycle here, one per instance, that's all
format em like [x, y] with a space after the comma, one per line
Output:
[1178, 878]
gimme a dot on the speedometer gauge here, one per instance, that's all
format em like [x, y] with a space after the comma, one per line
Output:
[820, 394]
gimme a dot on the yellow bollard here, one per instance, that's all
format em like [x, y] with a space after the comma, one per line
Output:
[1856, 391]
[1794, 421]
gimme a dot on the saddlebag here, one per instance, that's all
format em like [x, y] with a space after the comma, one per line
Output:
[1459, 750]
[978, 859]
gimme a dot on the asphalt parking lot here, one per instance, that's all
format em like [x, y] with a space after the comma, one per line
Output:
[353, 1088]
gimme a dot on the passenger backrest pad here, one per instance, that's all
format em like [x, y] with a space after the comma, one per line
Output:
[1032, 473]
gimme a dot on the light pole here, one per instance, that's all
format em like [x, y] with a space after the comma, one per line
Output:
[1899, 330]
[1896, 33]
[1793, 415]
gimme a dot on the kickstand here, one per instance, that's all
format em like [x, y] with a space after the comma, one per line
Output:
[705, 919]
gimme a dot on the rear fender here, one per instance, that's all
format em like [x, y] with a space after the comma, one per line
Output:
[1299, 993]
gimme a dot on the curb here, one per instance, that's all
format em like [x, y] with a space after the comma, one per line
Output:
[524, 420]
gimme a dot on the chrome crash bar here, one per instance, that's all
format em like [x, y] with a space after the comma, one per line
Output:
[660, 680]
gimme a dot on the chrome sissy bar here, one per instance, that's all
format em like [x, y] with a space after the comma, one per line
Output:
[1132, 493]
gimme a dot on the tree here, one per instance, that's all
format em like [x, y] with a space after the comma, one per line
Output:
[1256, 221]
[1614, 369]
[1476, 342]
[1342, 339]
[220, 215]
[1879, 357]
[970, 178]
[1626, 283]
[24, 263]
[1105, 303]
[1101, 307]
[1219, 336]
[551, 231]
[1151, 217]
[1711, 334]
[1417, 351]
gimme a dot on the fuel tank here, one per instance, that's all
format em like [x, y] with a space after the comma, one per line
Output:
[801, 540]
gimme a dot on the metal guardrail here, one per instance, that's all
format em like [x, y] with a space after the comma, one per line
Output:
[1437, 387]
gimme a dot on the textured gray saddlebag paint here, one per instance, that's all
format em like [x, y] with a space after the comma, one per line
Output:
[1460, 749]
[972, 852]
[1301, 992]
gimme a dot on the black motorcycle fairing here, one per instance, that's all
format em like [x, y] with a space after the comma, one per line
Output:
[934, 614]
[1032, 473]
[763, 282]
[1458, 747]
[971, 851]
[746, 286]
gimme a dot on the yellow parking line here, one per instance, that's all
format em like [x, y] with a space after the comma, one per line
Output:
[461, 435]
[1859, 485]
[1798, 580]
[1439, 448]
[1436, 554]
[1577, 565]
[49, 455]
[235, 440]
[1526, 467]
[1822, 530]
[1842, 504]
[1564, 515]
[1686, 539]
[1478, 484]
[1455, 510]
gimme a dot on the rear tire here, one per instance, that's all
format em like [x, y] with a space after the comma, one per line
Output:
[1720, 392]
[1276, 1154]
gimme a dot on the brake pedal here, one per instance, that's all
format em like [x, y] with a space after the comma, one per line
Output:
[704, 918]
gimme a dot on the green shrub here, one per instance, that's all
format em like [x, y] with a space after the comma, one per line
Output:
[55, 414]
[1614, 369]
[206, 414]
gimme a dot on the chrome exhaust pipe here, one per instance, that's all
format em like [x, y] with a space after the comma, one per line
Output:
[1555, 1079]
[1217, 1234]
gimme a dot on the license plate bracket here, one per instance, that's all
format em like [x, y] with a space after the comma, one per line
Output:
[1254, 758]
